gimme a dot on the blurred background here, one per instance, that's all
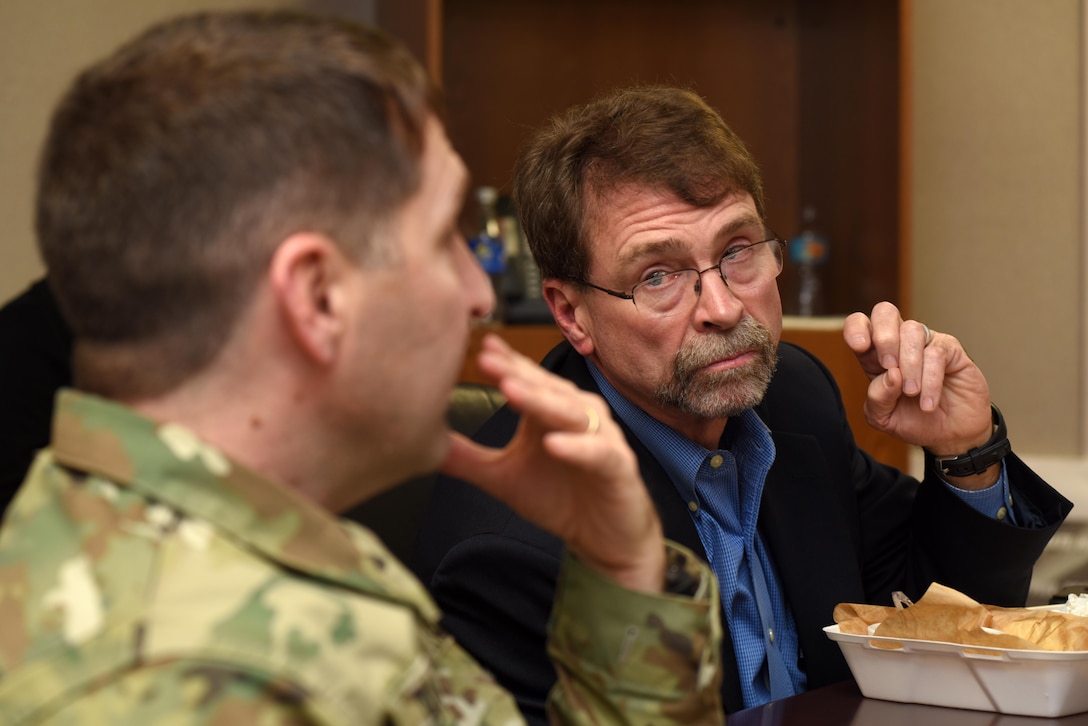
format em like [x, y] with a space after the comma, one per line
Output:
[927, 152]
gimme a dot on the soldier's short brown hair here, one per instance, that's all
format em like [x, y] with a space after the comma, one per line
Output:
[174, 167]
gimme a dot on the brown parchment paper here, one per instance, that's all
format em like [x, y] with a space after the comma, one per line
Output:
[947, 615]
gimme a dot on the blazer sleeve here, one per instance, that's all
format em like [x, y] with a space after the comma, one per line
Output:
[496, 592]
[494, 576]
[35, 351]
[988, 559]
[908, 534]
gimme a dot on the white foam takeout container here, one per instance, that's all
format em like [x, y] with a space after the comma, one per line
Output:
[1023, 682]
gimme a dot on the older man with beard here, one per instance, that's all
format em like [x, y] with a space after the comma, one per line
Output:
[645, 214]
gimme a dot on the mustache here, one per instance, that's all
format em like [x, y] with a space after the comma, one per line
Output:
[747, 335]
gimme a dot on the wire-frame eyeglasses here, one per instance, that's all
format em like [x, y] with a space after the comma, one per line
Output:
[667, 292]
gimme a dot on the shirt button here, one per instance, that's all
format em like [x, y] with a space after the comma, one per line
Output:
[693, 506]
[1002, 513]
[716, 461]
[770, 634]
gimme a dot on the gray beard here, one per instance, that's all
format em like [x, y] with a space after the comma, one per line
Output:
[721, 394]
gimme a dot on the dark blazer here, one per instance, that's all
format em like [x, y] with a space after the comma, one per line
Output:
[840, 528]
[35, 352]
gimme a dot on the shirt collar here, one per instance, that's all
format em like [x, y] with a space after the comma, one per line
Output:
[749, 438]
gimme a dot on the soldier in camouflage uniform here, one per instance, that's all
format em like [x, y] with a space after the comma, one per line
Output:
[250, 221]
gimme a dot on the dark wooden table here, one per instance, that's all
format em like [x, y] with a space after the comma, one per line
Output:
[843, 705]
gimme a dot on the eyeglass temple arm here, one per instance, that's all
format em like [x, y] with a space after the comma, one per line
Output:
[613, 293]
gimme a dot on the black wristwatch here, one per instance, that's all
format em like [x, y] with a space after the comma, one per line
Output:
[980, 458]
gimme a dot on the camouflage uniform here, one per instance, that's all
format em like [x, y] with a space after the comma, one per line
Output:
[145, 578]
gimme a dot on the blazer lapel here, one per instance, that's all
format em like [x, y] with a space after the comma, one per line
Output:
[810, 543]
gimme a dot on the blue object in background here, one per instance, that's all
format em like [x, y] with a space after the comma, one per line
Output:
[487, 244]
[809, 250]
[490, 252]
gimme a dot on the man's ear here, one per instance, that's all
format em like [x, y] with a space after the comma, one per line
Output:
[307, 278]
[564, 301]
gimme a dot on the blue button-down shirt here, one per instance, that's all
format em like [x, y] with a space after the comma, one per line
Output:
[723, 489]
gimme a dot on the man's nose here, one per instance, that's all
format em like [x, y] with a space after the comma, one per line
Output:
[717, 304]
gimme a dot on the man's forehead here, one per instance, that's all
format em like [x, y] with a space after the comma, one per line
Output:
[598, 195]
[656, 223]
[601, 208]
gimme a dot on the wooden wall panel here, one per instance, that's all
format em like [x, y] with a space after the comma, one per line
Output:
[813, 87]
[849, 146]
[509, 66]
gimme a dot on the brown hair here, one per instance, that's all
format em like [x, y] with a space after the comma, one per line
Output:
[174, 167]
[661, 137]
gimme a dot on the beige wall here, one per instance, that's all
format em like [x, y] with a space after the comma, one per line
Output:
[44, 44]
[997, 196]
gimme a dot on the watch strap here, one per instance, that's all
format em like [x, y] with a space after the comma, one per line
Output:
[980, 458]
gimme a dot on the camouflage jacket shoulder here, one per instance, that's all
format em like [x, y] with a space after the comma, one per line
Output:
[144, 575]
[134, 544]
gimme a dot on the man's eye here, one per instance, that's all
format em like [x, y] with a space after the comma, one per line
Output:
[657, 278]
[660, 279]
[740, 252]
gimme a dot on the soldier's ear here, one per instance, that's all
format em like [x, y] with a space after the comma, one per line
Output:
[307, 276]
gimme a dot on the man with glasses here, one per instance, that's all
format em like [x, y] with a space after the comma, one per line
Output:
[645, 214]
[250, 223]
